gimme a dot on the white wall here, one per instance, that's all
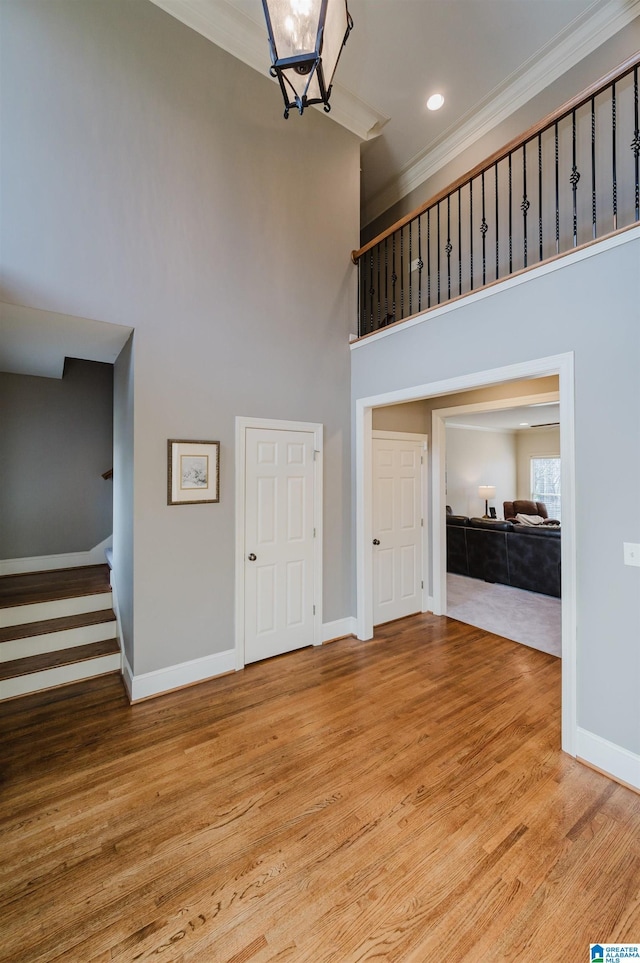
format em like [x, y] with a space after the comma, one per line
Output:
[149, 179]
[474, 458]
[588, 307]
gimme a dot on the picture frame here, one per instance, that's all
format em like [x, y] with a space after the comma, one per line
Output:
[193, 472]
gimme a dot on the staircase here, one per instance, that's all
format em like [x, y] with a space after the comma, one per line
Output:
[56, 627]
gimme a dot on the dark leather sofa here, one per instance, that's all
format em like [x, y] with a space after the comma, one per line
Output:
[525, 556]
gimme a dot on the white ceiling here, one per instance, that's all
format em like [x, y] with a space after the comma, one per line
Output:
[37, 342]
[523, 418]
[488, 57]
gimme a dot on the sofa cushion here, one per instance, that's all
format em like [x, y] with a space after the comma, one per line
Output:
[459, 520]
[546, 531]
[492, 524]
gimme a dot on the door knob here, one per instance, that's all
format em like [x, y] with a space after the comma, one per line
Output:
[252, 557]
[376, 541]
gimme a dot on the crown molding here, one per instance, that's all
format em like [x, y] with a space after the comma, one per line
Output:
[562, 53]
[223, 24]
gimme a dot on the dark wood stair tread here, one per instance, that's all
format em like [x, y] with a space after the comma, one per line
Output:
[52, 660]
[29, 629]
[62, 583]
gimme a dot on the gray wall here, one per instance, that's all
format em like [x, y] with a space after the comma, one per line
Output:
[589, 308]
[56, 439]
[157, 185]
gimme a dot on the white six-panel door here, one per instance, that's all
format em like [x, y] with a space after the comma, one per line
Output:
[397, 529]
[278, 542]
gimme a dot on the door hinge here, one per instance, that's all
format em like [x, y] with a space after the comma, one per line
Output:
[315, 453]
[421, 460]
[422, 523]
[314, 533]
[314, 610]
[421, 584]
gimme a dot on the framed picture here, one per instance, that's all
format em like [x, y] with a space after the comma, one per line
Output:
[193, 472]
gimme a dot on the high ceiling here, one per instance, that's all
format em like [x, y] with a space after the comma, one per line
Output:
[487, 57]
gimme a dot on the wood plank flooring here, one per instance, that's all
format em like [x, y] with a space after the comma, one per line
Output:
[403, 799]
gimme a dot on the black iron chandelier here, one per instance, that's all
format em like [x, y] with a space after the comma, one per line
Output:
[306, 39]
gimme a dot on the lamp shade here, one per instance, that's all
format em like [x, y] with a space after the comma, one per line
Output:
[487, 491]
[306, 39]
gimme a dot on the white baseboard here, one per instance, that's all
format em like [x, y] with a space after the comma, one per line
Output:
[150, 684]
[156, 683]
[47, 563]
[338, 629]
[620, 763]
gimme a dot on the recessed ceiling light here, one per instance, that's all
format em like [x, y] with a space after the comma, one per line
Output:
[435, 102]
[524, 424]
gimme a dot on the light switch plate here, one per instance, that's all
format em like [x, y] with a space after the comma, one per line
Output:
[631, 553]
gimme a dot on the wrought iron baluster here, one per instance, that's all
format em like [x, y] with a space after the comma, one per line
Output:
[359, 304]
[438, 249]
[402, 272]
[410, 267]
[429, 258]
[510, 215]
[371, 287]
[484, 227]
[540, 244]
[379, 288]
[613, 156]
[448, 247]
[497, 225]
[394, 276]
[574, 178]
[386, 280]
[471, 233]
[420, 263]
[524, 207]
[557, 191]
[459, 241]
[635, 143]
[594, 232]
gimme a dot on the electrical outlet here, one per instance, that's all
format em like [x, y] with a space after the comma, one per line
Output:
[631, 553]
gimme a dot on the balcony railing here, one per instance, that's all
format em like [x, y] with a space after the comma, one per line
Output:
[571, 179]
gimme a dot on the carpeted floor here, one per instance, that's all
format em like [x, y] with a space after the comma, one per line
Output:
[526, 617]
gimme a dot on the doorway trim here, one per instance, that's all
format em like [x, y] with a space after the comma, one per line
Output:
[242, 424]
[561, 365]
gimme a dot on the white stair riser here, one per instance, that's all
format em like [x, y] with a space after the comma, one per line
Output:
[57, 609]
[54, 641]
[62, 675]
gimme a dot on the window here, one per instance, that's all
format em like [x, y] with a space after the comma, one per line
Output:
[545, 484]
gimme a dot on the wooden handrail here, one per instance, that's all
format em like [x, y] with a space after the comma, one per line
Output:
[578, 101]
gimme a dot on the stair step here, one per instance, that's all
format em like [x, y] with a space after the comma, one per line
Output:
[35, 638]
[56, 627]
[63, 583]
[51, 660]
[59, 676]
[53, 609]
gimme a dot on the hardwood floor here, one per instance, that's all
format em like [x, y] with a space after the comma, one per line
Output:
[403, 799]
